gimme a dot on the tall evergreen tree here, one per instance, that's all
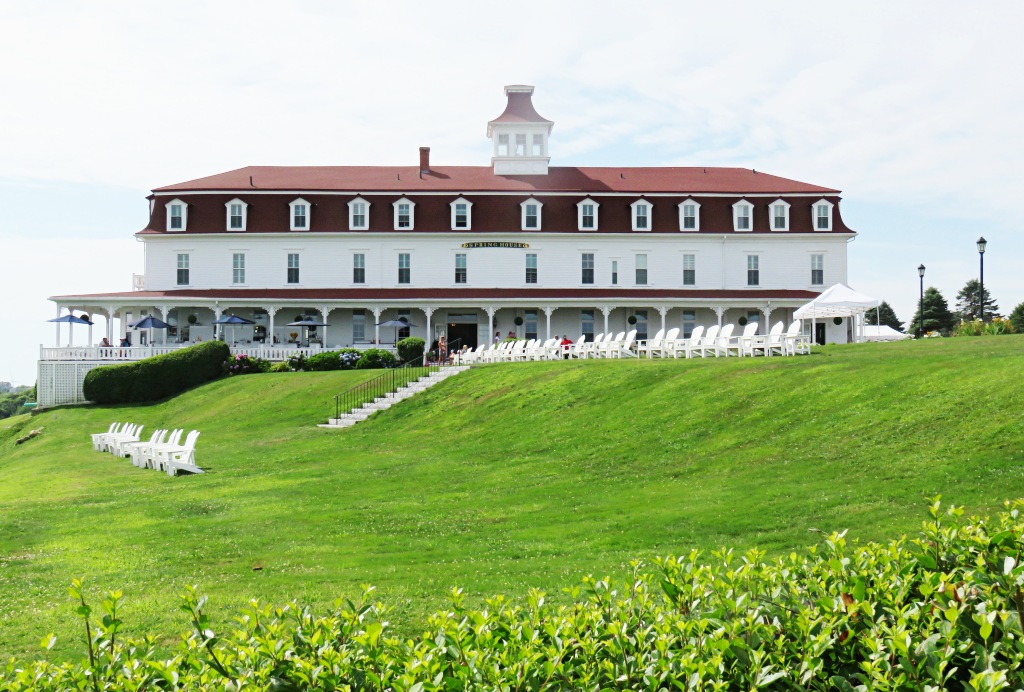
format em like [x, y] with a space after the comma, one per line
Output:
[884, 314]
[968, 304]
[937, 317]
[1017, 318]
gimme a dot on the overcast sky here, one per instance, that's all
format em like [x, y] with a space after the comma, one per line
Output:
[913, 109]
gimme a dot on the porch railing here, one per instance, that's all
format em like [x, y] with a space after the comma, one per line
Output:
[382, 385]
[129, 353]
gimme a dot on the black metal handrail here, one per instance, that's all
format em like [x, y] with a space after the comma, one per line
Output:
[388, 382]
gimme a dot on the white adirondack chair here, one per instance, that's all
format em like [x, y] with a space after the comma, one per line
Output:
[116, 446]
[147, 455]
[127, 433]
[646, 346]
[727, 343]
[139, 449]
[795, 341]
[749, 341]
[688, 347]
[775, 342]
[576, 350]
[668, 344]
[626, 346]
[97, 438]
[180, 458]
[709, 342]
[125, 448]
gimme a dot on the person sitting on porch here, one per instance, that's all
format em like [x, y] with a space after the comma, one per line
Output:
[105, 342]
[126, 341]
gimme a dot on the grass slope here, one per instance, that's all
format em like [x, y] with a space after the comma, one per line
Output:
[500, 479]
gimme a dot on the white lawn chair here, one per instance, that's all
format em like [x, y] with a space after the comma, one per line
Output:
[775, 342]
[625, 345]
[727, 343]
[610, 343]
[97, 438]
[645, 346]
[749, 341]
[118, 446]
[668, 344]
[590, 347]
[128, 434]
[137, 449]
[576, 350]
[688, 346]
[178, 458]
[795, 341]
[708, 342]
[144, 456]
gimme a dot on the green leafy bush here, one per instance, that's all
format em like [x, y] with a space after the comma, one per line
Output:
[280, 367]
[345, 359]
[376, 358]
[242, 364]
[297, 362]
[997, 326]
[942, 611]
[158, 377]
[410, 348]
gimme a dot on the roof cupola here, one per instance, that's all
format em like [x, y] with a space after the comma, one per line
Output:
[520, 135]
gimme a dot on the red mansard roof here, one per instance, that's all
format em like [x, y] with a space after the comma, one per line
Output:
[468, 179]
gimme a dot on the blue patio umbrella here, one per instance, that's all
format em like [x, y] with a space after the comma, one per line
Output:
[149, 322]
[70, 319]
[306, 324]
[400, 323]
[233, 320]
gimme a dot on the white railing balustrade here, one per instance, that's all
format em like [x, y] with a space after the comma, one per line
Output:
[130, 353]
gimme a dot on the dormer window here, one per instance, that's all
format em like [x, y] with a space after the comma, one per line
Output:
[177, 215]
[823, 215]
[299, 215]
[237, 213]
[462, 214]
[689, 215]
[586, 215]
[780, 215]
[404, 214]
[358, 214]
[531, 215]
[520, 145]
[641, 215]
[742, 216]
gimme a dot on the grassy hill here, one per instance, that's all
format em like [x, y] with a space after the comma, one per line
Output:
[500, 479]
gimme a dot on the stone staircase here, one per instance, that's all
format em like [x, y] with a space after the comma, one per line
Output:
[382, 403]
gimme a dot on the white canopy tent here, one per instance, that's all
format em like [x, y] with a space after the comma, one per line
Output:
[882, 332]
[838, 301]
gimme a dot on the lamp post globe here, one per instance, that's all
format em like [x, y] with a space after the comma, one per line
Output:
[920, 308]
[982, 243]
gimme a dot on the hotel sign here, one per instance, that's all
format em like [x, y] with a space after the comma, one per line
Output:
[520, 246]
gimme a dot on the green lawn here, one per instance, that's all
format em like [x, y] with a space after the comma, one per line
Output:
[503, 478]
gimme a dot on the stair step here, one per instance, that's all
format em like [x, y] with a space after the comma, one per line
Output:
[386, 401]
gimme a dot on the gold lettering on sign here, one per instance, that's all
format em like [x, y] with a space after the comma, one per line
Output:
[519, 246]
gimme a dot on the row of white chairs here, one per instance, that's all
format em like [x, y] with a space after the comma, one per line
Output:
[714, 342]
[163, 451]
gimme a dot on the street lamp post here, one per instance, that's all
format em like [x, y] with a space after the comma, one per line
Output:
[920, 309]
[981, 275]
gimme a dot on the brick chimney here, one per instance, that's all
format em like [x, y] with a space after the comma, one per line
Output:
[424, 160]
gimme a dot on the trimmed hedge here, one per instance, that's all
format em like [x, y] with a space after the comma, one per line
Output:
[376, 358]
[158, 377]
[939, 612]
[345, 359]
[410, 348]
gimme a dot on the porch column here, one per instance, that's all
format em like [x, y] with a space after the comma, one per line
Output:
[547, 313]
[164, 309]
[110, 324]
[429, 312]
[56, 342]
[663, 309]
[217, 312]
[91, 316]
[767, 312]
[324, 309]
[376, 329]
[606, 311]
[270, 332]
[720, 311]
[490, 322]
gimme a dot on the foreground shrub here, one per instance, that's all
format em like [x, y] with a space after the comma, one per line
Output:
[375, 358]
[995, 327]
[410, 349]
[158, 377]
[280, 367]
[297, 362]
[942, 611]
[345, 359]
[243, 364]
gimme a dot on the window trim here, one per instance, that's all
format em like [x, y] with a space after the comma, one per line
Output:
[245, 216]
[234, 256]
[291, 215]
[821, 256]
[634, 207]
[637, 269]
[736, 216]
[696, 215]
[593, 268]
[465, 268]
[527, 268]
[771, 216]
[692, 255]
[814, 215]
[352, 213]
[579, 214]
[469, 214]
[757, 268]
[412, 213]
[184, 215]
[522, 214]
[354, 268]
[289, 267]
[398, 265]
[187, 268]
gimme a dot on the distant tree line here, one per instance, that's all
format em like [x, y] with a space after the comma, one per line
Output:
[939, 318]
[11, 403]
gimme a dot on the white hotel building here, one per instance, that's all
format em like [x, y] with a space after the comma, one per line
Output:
[466, 250]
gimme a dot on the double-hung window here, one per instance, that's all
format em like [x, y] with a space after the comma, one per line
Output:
[183, 269]
[237, 212]
[586, 215]
[531, 268]
[615, 272]
[742, 212]
[587, 324]
[538, 145]
[460, 268]
[404, 268]
[753, 270]
[780, 215]
[531, 215]
[403, 215]
[689, 322]
[641, 215]
[823, 215]
[358, 268]
[689, 270]
[299, 211]
[177, 211]
[358, 326]
[502, 145]
[520, 145]
[293, 267]
[641, 324]
[641, 270]
[689, 216]
[238, 268]
[588, 268]
[462, 214]
[358, 214]
[530, 324]
[817, 270]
